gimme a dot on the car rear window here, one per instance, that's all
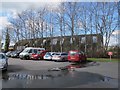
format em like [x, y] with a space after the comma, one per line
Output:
[57, 54]
[64, 54]
[73, 53]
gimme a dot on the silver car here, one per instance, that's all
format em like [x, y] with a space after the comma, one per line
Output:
[60, 56]
[48, 55]
[3, 62]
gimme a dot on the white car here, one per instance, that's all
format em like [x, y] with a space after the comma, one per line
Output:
[62, 56]
[3, 62]
[27, 52]
[48, 55]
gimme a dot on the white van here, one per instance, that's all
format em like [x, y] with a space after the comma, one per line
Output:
[25, 54]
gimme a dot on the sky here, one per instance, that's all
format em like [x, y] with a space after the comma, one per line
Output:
[9, 8]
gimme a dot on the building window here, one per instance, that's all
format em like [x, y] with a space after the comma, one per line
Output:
[83, 40]
[94, 39]
[44, 41]
[71, 40]
[54, 41]
[61, 41]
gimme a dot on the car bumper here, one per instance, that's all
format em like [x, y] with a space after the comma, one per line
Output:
[3, 67]
[56, 59]
[47, 58]
[34, 58]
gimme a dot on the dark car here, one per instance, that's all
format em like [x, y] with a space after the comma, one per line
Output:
[8, 54]
[76, 56]
[15, 54]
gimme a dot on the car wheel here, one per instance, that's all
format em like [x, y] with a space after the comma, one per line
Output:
[26, 57]
[5, 70]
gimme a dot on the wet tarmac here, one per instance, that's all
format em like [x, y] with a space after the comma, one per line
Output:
[58, 77]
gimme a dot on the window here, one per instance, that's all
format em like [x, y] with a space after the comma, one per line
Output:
[35, 51]
[54, 41]
[73, 53]
[94, 39]
[71, 40]
[44, 41]
[64, 54]
[83, 40]
[26, 50]
[62, 41]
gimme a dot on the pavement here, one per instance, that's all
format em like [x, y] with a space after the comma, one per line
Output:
[36, 74]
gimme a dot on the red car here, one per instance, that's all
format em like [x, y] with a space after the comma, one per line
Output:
[76, 56]
[38, 55]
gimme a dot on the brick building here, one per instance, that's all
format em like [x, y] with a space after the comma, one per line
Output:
[91, 44]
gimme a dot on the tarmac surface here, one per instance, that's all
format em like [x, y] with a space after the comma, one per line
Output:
[50, 74]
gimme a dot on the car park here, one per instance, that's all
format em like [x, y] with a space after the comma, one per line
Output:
[60, 56]
[27, 52]
[38, 55]
[76, 56]
[3, 62]
[48, 55]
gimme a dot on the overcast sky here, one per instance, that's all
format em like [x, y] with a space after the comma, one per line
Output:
[9, 8]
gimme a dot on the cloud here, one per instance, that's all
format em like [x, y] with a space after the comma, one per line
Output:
[115, 38]
[20, 6]
[3, 22]
[59, 1]
[116, 32]
[32, 0]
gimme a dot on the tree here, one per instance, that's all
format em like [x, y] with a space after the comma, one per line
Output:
[7, 40]
[72, 15]
[60, 22]
[107, 21]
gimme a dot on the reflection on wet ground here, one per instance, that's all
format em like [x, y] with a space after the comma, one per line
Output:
[52, 78]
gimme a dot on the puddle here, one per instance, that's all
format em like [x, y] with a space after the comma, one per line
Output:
[81, 65]
[73, 66]
[50, 79]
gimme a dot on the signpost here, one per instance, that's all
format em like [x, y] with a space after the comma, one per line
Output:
[110, 54]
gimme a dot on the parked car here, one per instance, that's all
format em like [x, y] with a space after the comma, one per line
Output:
[38, 55]
[8, 54]
[15, 54]
[60, 56]
[76, 56]
[48, 55]
[27, 52]
[3, 62]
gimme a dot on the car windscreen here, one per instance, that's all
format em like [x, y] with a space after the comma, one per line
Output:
[48, 53]
[73, 53]
[2, 56]
[26, 50]
[56, 54]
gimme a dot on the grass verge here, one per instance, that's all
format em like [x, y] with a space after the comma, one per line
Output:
[103, 59]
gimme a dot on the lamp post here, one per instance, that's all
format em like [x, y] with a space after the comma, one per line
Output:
[0, 44]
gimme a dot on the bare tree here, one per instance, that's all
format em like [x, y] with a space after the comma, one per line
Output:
[106, 23]
[72, 16]
[60, 22]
